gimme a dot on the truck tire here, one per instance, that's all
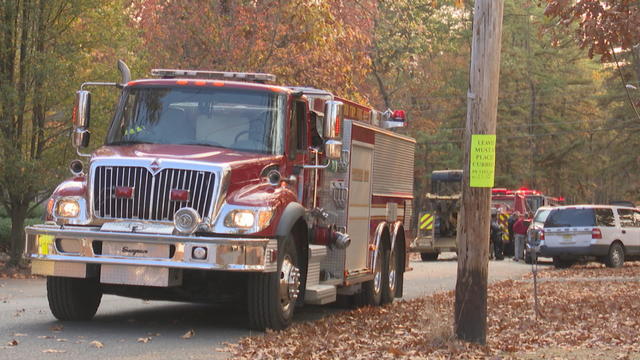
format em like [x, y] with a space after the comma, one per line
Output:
[615, 258]
[73, 299]
[272, 296]
[371, 292]
[429, 256]
[390, 276]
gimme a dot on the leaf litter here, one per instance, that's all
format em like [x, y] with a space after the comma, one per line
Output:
[579, 317]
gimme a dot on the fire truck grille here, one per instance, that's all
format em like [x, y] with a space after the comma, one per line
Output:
[130, 192]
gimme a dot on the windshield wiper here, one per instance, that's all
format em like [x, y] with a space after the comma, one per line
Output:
[203, 144]
[129, 142]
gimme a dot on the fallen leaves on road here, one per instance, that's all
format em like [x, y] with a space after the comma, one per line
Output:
[57, 328]
[189, 334]
[13, 342]
[53, 351]
[96, 344]
[144, 340]
[8, 271]
[590, 270]
[579, 317]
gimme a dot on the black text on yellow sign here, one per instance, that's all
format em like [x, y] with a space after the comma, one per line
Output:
[482, 160]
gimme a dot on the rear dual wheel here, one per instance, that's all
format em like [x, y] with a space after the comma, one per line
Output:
[371, 292]
[381, 289]
[391, 276]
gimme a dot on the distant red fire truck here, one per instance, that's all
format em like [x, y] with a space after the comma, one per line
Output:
[219, 186]
[524, 201]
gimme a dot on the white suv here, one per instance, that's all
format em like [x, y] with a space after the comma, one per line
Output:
[608, 233]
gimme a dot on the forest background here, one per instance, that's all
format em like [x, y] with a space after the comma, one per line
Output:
[568, 85]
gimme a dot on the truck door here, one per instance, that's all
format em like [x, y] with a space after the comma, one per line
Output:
[358, 223]
[298, 152]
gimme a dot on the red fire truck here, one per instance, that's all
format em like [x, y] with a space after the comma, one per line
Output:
[219, 186]
[524, 201]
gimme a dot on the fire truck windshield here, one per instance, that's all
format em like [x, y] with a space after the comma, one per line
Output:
[239, 119]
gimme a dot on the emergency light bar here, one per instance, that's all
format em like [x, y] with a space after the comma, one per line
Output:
[218, 75]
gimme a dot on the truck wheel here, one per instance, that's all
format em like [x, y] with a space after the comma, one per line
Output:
[73, 299]
[615, 259]
[272, 296]
[371, 292]
[429, 256]
[390, 276]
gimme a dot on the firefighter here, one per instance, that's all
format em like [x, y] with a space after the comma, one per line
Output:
[495, 237]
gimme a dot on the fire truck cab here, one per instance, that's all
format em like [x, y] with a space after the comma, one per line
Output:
[219, 186]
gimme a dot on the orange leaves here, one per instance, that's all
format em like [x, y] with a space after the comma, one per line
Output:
[586, 312]
[303, 42]
[602, 25]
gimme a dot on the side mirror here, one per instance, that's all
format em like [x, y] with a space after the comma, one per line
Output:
[81, 138]
[333, 124]
[333, 149]
[333, 118]
[82, 109]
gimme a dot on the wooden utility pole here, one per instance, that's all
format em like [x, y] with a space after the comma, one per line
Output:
[473, 226]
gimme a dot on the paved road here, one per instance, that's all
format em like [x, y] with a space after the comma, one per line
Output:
[120, 322]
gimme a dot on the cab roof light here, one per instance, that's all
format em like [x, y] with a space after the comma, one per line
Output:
[399, 115]
[218, 75]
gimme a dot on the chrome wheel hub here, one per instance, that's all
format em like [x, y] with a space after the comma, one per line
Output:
[289, 285]
[392, 272]
[377, 278]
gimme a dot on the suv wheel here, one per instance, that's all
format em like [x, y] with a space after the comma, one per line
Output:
[615, 259]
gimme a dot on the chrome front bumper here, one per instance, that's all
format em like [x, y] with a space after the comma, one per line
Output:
[66, 251]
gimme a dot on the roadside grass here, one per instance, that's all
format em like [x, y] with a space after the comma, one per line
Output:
[587, 311]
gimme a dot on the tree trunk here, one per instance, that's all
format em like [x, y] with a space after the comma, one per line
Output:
[18, 216]
[473, 227]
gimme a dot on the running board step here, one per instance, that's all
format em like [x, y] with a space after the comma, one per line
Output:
[316, 293]
[320, 294]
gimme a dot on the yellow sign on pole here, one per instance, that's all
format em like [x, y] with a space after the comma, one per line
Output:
[482, 160]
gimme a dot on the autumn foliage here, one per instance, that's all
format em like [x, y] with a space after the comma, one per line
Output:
[602, 25]
[304, 42]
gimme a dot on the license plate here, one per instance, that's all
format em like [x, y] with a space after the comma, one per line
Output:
[567, 237]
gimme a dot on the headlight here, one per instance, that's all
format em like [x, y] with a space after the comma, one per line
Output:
[240, 219]
[257, 219]
[67, 208]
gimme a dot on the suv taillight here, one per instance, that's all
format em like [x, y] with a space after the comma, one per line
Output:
[541, 235]
[596, 234]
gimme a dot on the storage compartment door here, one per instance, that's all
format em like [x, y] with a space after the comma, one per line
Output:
[358, 223]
